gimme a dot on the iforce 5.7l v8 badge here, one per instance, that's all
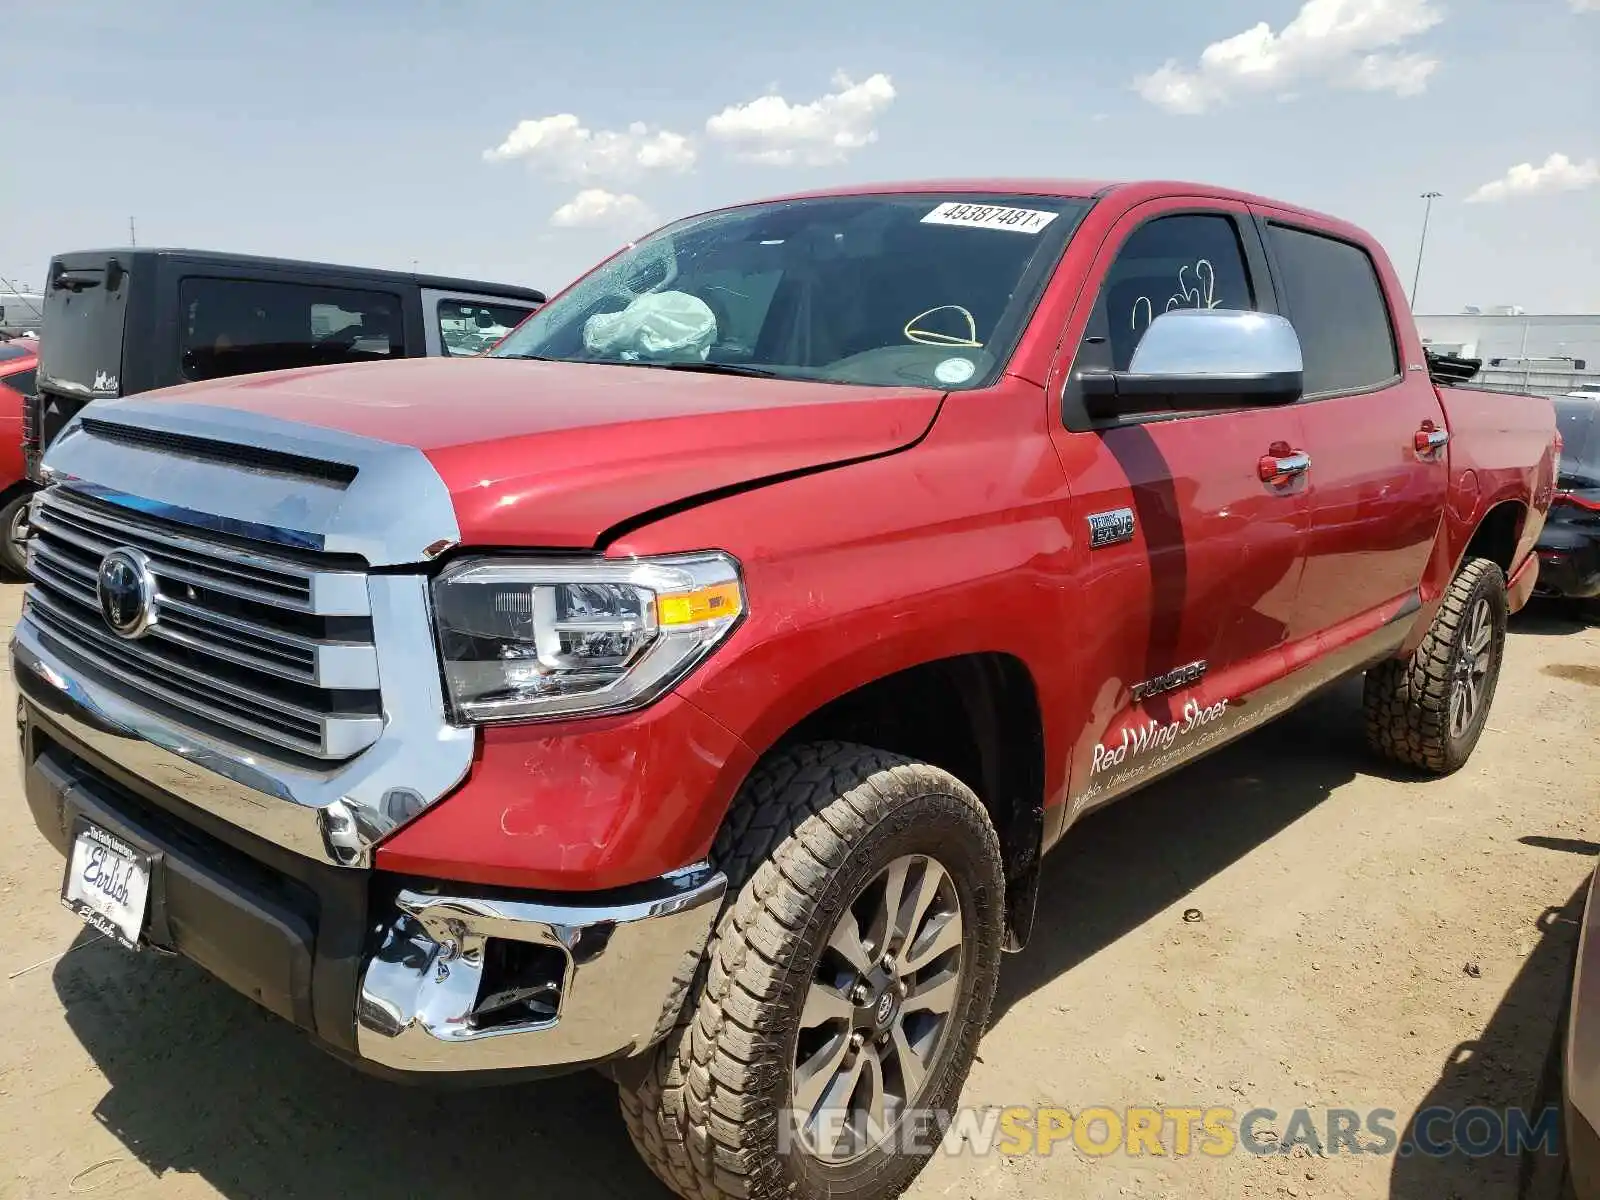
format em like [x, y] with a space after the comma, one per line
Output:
[1109, 528]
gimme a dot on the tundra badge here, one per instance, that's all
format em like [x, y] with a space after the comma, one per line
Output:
[1175, 678]
[1109, 528]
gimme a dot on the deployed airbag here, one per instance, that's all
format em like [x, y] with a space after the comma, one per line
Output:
[667, 325]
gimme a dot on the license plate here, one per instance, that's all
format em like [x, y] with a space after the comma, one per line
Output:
[108, 884]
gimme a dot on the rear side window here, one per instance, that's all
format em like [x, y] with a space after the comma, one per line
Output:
[1579, 424]
[1337, 307]
[23, 382]
[235, 326]
[470, 327]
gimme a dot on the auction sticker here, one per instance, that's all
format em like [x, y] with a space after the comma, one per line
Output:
[990, 216]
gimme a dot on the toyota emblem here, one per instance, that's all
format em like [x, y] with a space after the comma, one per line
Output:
[126, 589]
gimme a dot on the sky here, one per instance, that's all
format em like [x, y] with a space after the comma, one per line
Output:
[523, 142]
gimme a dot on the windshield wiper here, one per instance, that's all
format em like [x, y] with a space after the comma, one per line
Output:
[710, 368]
[705, 368]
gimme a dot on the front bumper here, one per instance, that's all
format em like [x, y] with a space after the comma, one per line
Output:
[609, 983]
[1581, 1071]
[401, 975]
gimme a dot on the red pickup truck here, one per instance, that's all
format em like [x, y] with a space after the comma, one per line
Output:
[691, 687]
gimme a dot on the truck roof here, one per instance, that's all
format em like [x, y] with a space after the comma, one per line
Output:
[1077, 189]
[443, 282]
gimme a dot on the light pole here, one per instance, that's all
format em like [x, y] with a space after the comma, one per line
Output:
[1430, 197]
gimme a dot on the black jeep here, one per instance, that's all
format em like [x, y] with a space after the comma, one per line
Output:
[118, 322]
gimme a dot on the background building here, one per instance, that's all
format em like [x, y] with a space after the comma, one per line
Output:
[1539, 354]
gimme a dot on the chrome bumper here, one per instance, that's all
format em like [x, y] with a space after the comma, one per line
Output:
[614, 980]
[612, 974]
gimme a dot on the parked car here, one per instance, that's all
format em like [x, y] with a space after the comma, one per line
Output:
[19, 361]
[1569, 547]
[691, 686]
[118, 322]
[1567, 1167]
[1580, 1069]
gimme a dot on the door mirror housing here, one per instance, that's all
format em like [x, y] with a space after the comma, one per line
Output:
[1196, 359]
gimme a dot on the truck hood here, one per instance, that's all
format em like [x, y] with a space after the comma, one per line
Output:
[551, 454]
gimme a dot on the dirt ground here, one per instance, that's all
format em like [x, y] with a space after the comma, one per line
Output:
[1341, 907]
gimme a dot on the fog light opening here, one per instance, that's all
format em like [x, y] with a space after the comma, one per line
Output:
[522, 984]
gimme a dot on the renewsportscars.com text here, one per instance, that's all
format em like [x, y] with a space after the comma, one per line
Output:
[1175, 1131]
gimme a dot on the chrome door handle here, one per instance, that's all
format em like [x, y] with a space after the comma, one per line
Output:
[1427, 441]
[1276, 468]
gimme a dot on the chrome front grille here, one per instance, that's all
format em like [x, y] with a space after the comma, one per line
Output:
[261, 648]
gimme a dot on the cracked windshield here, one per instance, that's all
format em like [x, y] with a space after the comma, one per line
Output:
[913, 290]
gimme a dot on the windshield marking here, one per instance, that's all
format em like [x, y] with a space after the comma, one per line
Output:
[931, 337]
[1201, 294]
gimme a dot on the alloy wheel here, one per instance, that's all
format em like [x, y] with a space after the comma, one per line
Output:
[16, 535]
[1472, 669]
[877, 1013]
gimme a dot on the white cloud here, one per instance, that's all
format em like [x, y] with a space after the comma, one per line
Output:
[1583, 6]
[1402, 74]
[1342, 43]
[596, 206]
[564, 146]
[1558, 174]
[827, 130]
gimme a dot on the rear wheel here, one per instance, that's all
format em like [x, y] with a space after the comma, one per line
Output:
[848, 980]
[1428, 711]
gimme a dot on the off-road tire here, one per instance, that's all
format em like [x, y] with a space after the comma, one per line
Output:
[809, 828]
[1407, 701]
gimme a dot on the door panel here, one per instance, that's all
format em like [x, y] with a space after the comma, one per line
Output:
[1376, 499]
[1209, 577]
[1375, 505]
[1187, 617]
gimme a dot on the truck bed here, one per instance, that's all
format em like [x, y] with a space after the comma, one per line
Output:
[1501, 454]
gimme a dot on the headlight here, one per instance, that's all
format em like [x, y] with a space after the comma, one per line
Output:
[526, 639]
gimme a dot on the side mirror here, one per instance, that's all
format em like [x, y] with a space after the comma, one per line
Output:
[483, 319]
[1204, 359]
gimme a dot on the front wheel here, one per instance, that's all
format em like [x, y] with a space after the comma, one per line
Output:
[13, 536]
[848, 980]
[1428, 711]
